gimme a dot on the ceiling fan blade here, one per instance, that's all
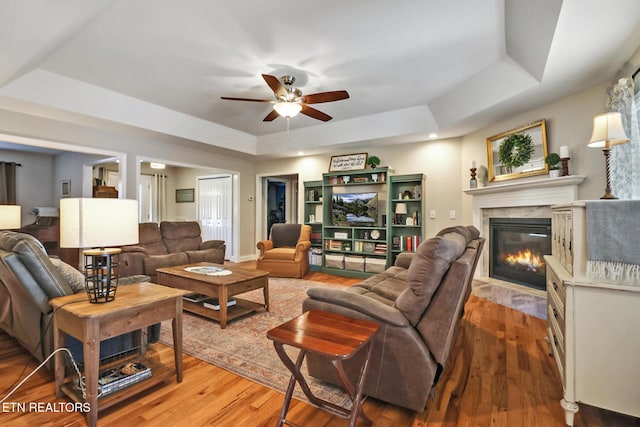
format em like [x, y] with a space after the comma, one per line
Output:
[276, 86]
[316, 114]
[229, 98]
[317, 98]
[271, 116]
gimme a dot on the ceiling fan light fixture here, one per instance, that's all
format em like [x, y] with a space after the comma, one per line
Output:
[287, 109]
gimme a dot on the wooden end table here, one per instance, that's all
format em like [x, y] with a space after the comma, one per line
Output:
[335, 337]
[240, 280]
[135, 307]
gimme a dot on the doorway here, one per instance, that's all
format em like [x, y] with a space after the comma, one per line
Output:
[279, 201]
[215, 209]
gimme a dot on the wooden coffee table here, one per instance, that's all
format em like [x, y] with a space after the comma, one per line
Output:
[240, 280]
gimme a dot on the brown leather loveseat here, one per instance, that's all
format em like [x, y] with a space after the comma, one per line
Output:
[419, 303]
[171, 243]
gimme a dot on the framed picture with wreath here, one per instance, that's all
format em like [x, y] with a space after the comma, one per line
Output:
[518, 153]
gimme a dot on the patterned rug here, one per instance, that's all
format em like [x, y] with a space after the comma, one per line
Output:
[243, 347]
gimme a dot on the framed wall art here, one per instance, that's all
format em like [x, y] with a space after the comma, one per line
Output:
[184, 195]
[65, 188]
[348, 162]
[518, 153]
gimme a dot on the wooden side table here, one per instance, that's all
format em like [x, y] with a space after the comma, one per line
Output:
[135, 307]
[330, 335]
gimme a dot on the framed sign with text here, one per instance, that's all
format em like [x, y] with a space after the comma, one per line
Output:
[348, 162]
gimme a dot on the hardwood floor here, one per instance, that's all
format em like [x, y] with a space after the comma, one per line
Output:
[500, 374]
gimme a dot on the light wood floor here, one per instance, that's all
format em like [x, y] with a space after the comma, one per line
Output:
[499, 374]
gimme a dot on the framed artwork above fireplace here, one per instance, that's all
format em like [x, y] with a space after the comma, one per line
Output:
[534, 165]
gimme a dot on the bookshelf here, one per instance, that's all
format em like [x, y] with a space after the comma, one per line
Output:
[313, 218]
[407, 227]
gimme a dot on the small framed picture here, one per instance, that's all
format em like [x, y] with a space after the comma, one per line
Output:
[185, 195]
[65, 188]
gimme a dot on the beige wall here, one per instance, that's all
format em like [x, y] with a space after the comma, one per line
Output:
[446, 163]
[134, 146]
[438, 160]
[569, 122]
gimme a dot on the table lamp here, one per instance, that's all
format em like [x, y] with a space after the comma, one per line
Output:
[401, 209]
[94, 225]
[9, 217]
[607, 132]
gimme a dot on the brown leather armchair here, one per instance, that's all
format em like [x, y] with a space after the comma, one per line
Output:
[286, 254]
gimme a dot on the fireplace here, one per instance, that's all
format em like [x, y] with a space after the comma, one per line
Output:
[517, 248]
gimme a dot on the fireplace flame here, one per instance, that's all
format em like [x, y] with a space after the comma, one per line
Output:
[526, 258]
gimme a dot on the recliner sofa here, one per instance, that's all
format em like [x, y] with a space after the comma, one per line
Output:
[419, 303]
[28, 280]
[171, 243]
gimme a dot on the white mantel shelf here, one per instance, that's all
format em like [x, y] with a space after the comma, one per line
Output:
[517, 186]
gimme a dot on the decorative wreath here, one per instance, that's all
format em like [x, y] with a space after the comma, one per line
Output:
[516, 150]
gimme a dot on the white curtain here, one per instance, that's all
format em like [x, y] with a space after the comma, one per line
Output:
[159, 198]
[624, 97]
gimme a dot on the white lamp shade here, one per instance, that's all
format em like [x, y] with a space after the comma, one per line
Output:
[401, 209]
[93, 223]
[9, 217]
[607, 131]
[287, 109]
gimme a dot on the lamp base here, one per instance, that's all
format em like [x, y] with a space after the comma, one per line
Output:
[101, 274]
[608, 195]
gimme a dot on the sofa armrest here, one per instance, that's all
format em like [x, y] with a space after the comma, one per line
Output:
[263, 246]
[404, 260]
[130, 249]
[303, 247]
[360, 303]
[213, 244]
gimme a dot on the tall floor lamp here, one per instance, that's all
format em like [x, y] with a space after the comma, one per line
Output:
[97, 224]
[607, 132]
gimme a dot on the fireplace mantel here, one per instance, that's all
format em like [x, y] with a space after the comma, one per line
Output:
[539, 192]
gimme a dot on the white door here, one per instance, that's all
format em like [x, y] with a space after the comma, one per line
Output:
[215, 209]
[145, 199]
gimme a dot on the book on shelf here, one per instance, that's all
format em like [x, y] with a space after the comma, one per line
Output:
[214, 303]
[196, 297]
[406, 243]
[122, 376]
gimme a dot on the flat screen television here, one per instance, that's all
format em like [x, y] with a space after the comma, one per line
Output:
[354, 209]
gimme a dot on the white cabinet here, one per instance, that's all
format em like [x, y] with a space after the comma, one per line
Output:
[593, 327]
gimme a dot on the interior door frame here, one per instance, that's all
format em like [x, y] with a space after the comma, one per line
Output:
[261, 202]
[233, 254]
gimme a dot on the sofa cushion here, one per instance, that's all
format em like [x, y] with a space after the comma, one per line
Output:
[285, 235]
[168, 260]
[151, 239]
[428, 266]
[72, 277]
[383, 287]
[181, 236]
[281, 254]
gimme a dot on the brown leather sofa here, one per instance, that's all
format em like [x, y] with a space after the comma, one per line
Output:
[171, 243]
[29, 278]
[419, 303]
[286, 254]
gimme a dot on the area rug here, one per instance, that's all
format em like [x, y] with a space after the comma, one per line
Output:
[243, 347]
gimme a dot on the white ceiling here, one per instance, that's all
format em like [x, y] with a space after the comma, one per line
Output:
[411, 67]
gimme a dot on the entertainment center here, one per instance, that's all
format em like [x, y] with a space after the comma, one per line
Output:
[362, 219]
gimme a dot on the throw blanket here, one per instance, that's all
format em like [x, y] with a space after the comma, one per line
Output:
[613, 240]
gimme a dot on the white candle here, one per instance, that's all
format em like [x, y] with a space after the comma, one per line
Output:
[564, 151]
[473, 164]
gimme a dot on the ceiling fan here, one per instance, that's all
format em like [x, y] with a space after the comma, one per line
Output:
[290, 101]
